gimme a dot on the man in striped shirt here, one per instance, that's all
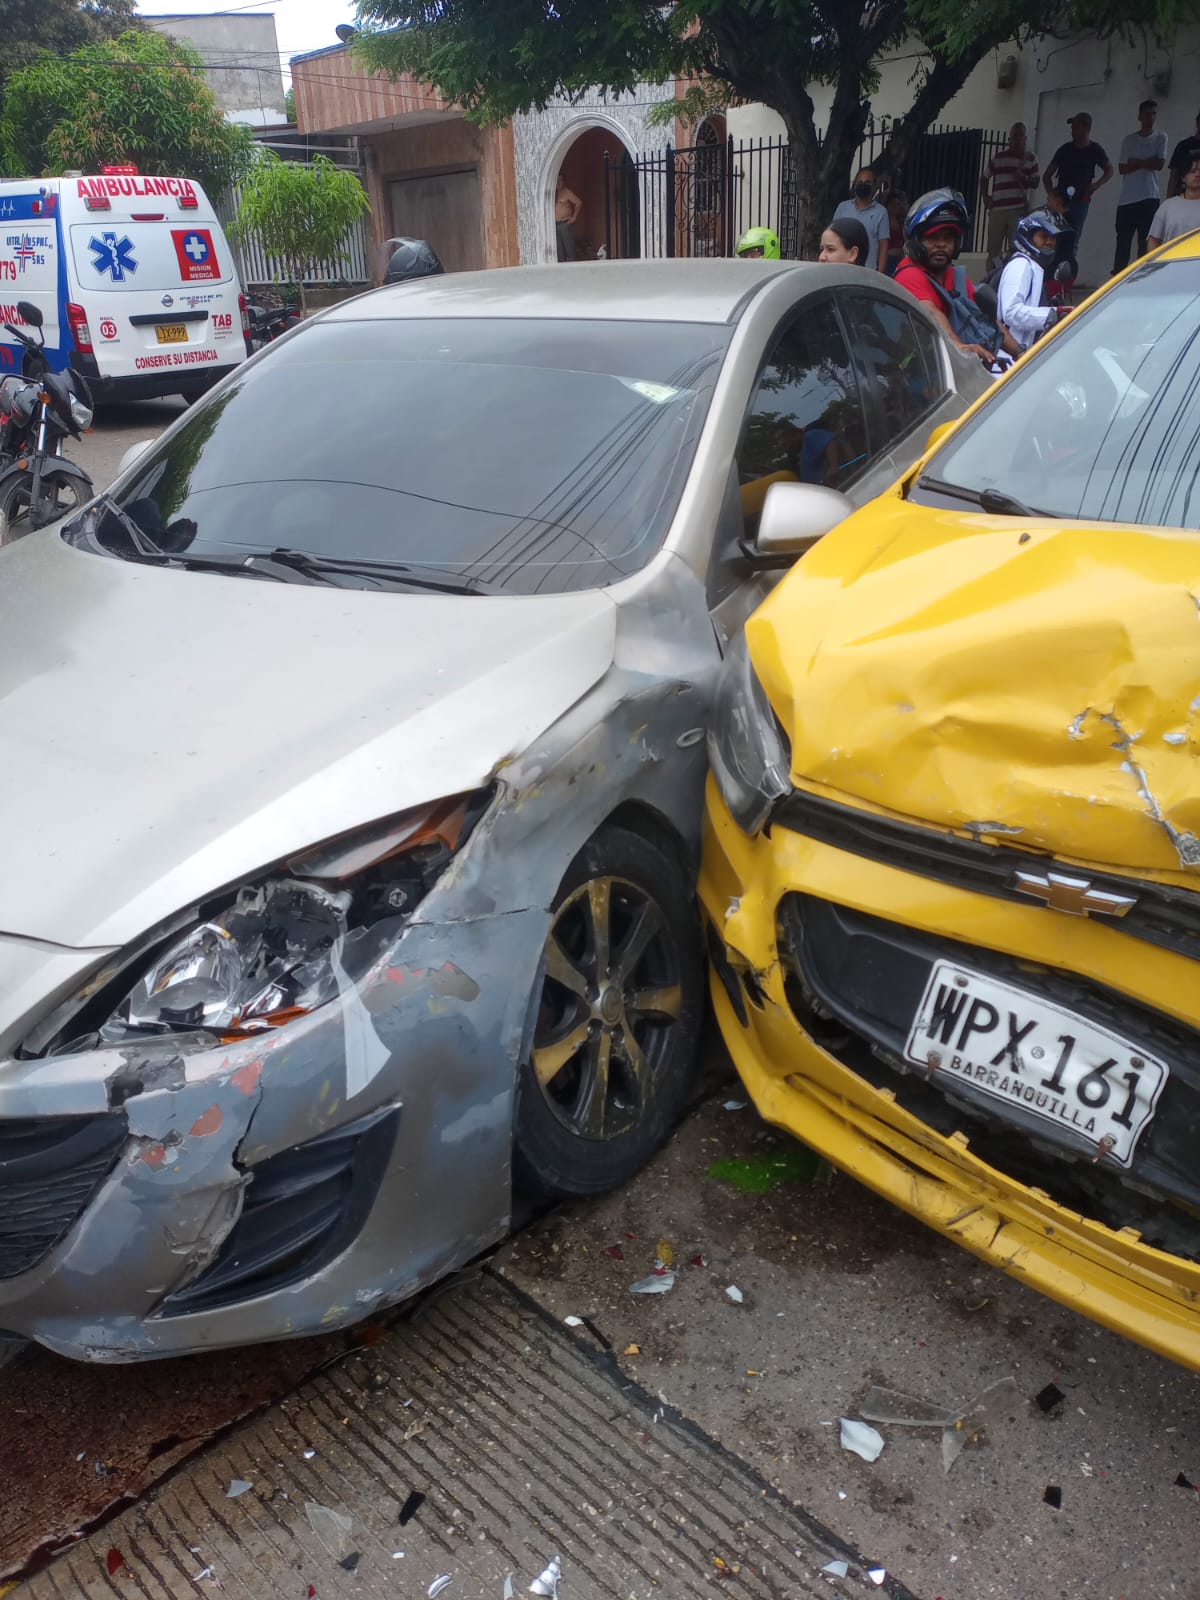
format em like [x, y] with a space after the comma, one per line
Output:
[1004, 188]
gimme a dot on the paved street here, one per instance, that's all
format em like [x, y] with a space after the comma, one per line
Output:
[674, 1444]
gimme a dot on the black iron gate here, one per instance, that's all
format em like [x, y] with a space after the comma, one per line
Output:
[698, 200]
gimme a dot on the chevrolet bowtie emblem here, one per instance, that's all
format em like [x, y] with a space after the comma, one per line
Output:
[1075, 896]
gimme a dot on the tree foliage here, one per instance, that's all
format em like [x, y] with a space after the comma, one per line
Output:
[498, 59]
[140, 98]
[30, 28]
[299, 213]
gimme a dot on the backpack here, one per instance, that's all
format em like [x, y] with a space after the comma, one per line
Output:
[966, 318]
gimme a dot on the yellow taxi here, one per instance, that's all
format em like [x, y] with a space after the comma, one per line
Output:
[951, 868]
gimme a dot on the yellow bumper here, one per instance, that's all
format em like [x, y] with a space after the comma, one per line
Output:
[1108, 1275]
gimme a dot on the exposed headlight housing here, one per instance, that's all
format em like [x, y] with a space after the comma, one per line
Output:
[747, 747]
[271, 950]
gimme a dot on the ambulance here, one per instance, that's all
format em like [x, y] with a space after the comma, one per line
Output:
[133, 276]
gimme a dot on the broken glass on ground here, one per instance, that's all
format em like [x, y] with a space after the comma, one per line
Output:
[332, 1528]
[656, 1283]
[862, 1440]
[905, 1410]
[987, 1408]
[546, 1583]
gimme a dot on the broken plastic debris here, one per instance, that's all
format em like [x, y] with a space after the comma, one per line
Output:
[1053, 1496]
[573, 1322]
[309, 1453]
[666, 1256]
[734, 1293]
[114, 1561]
[735, 1105]
[332, 1528]
[237, 1486]
[877, 1575]
[615, 1252]
[410, 1507]
[203, 1575]
[836, 1569]
[861, 1440]
[350, 1562]
[632, 1350]
[1046, 1399]
[699, 1261]
[438, 1584]
[546, 1583]
[1180, 1483]
[905, 1410]
[508, 1588]
[656, 1283]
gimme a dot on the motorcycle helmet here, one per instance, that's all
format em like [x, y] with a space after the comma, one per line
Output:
[1023, 234]
[411, 258]
[765, 240]
[940, 208]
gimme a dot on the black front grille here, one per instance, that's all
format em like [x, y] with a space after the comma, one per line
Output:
[855, 983]
[50, 1167]
[1163, 915]
[302, 1208]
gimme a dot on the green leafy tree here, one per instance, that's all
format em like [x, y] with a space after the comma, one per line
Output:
[496, 59]
[30, 28]
[289, 105]
[141, 98]
[298, 213]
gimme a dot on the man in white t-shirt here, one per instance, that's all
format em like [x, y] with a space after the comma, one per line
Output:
[866, 209]
[1021, 305]
[1180, 215]
[1143, 156]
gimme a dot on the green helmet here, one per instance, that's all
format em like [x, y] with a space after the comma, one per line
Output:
[763, 240]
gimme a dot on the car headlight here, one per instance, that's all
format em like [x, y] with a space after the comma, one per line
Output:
[747, 747]
[273, 949]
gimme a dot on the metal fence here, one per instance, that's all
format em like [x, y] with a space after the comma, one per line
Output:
[257, 268]
[697, 200]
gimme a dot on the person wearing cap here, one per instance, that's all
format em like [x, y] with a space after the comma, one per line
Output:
[1073, 168]
[1181, 160]
[1143, 156]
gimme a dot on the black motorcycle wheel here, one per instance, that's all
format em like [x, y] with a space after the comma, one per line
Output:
[59, 494]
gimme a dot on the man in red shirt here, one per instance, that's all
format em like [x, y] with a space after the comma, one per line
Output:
[933, 234]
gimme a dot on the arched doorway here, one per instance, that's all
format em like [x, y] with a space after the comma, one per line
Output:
[598, 168]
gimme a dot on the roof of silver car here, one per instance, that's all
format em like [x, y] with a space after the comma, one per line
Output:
[635, 291]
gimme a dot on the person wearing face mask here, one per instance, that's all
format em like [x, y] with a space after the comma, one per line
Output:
[866, 209]
[845, 243]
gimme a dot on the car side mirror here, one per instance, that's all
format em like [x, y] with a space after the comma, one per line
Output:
[132, 454]
[938, 434]
[794, 517]
[30, 314]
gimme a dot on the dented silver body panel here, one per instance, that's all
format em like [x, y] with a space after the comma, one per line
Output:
[178, 732]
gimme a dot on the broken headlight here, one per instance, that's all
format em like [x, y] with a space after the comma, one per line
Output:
[274, 949]
[747, 747]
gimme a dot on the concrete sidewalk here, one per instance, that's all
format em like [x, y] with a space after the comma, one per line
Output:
[527, 1443]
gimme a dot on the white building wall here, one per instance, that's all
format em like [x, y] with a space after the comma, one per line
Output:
[541, 139]
[241, 58]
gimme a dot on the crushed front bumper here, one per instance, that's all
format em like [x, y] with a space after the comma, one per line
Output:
[799, 1071]
[194, 1196]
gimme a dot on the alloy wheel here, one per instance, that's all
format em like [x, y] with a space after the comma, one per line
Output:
[611, 999]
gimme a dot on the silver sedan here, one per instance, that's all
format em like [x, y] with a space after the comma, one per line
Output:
[354, 755]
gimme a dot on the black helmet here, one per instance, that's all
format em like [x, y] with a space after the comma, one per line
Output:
[940, 208]
[411, 258]
[1028, 226]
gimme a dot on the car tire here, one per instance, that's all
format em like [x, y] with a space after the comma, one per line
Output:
[619, 1008]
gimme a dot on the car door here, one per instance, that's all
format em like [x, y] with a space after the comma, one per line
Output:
[805, 423]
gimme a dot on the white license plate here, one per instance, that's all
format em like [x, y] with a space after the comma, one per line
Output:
[1002, 1043]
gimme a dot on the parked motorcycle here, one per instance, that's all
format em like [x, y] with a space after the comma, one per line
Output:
[38, 410]
[268, 323]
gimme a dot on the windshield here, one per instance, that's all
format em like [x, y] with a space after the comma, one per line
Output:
[1104, 427]
[526, 456]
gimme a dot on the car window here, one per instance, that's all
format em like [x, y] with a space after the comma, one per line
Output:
[805, 423]
[898, 359]
[1102, 424]
[525, 455]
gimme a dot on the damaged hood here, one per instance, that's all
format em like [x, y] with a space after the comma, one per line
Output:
[165, 733]
[932, 664]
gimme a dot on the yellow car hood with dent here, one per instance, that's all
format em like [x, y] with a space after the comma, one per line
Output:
[932, 664]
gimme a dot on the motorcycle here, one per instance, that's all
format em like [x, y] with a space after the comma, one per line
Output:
[38, 410]
[268, 323]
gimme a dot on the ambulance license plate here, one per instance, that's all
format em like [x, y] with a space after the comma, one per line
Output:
[172, 332]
